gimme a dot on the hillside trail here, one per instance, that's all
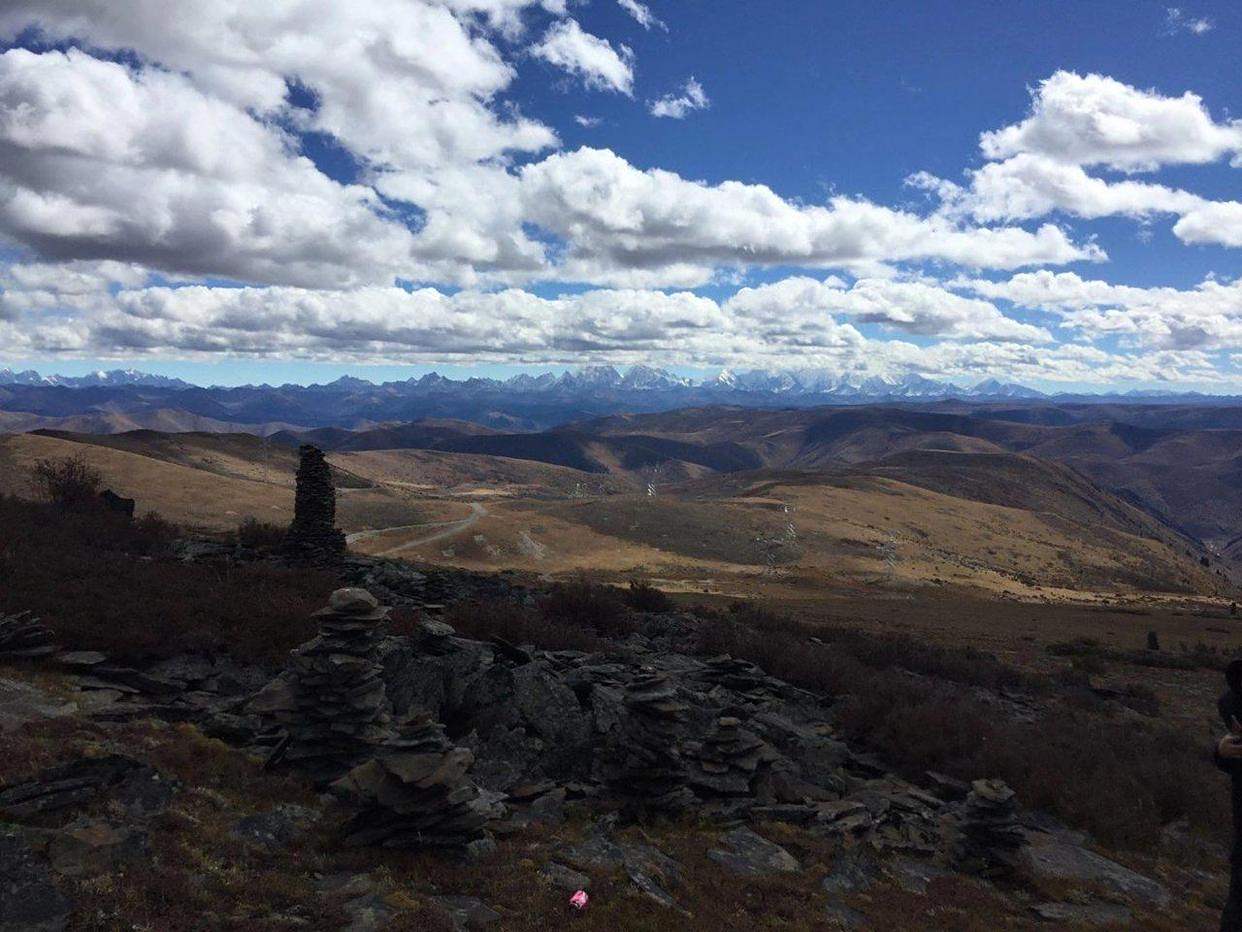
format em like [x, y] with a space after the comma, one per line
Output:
[452, 528]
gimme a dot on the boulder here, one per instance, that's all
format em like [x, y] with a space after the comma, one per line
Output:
[749, 854]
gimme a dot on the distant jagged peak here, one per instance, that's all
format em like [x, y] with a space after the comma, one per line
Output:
[99, 378]
[995, 388]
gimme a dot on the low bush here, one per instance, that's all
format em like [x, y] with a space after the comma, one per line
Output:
[586, 604]
[259, 535]
[644, 597]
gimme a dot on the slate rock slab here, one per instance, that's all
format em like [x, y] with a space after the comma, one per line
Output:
[275, 828]
[839, 916]
[29, 900]
[1088, 914]
[21, 703]
[752, 855]
[563, 877]
[1051, 858]
[914, 876]
[89, 847]
[852, 872]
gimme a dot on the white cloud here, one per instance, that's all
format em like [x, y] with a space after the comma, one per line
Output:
[407, 89]
[91, 166]
[614, 216]
[678, 106]
[1207, 317]
[784, 325]
[641, 13]
[801, 304]
[588, 122]
[1178, 20]
[1096, 120]
[588, 57]
[1077, 121]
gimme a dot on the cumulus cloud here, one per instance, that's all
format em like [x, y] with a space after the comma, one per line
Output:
[587, 122]
[800, 304]
[406, 89]
[1096, 120]
[107, 310]
[614, 215]
[588, 57]
[1039, 166]
[641, 13]
[678, 106]
[92, 167]
[1207, 317]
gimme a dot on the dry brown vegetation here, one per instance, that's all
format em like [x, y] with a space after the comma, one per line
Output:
[103, 582]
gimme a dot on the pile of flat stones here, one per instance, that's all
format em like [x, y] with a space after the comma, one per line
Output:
[651, 774]
[987, 837]
[727, 761]
[658, 732]
[331, 700]
[313, 535]
[416, 793]
[22, 635]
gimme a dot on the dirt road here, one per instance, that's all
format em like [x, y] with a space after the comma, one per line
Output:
[449, 529]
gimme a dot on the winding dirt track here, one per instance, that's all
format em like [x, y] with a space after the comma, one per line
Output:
[449, 529]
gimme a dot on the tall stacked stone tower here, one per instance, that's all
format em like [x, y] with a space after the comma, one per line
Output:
[313, 534]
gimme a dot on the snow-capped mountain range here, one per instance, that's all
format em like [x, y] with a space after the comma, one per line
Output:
[794, 383]
[92, 380]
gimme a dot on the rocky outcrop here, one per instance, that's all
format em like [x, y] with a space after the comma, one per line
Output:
[313, 535]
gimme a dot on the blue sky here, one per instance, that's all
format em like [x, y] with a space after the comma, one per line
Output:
[486, 186]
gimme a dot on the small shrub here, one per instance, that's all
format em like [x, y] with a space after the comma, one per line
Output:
[644, 597]
[259, 535]
[583, 603]
[69, 481]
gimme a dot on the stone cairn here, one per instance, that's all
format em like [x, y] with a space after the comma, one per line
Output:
[740, 676]
[313, 535]
[649, 770]
[332, 701]
[23, 635]
[987, 837]
[728, 759]
[415, 793]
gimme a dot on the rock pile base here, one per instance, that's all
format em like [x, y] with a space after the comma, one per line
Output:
[987, 838]
[331, 700]
[415, 793]
[650, 773]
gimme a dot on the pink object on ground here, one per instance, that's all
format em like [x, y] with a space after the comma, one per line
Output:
[579, 900]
